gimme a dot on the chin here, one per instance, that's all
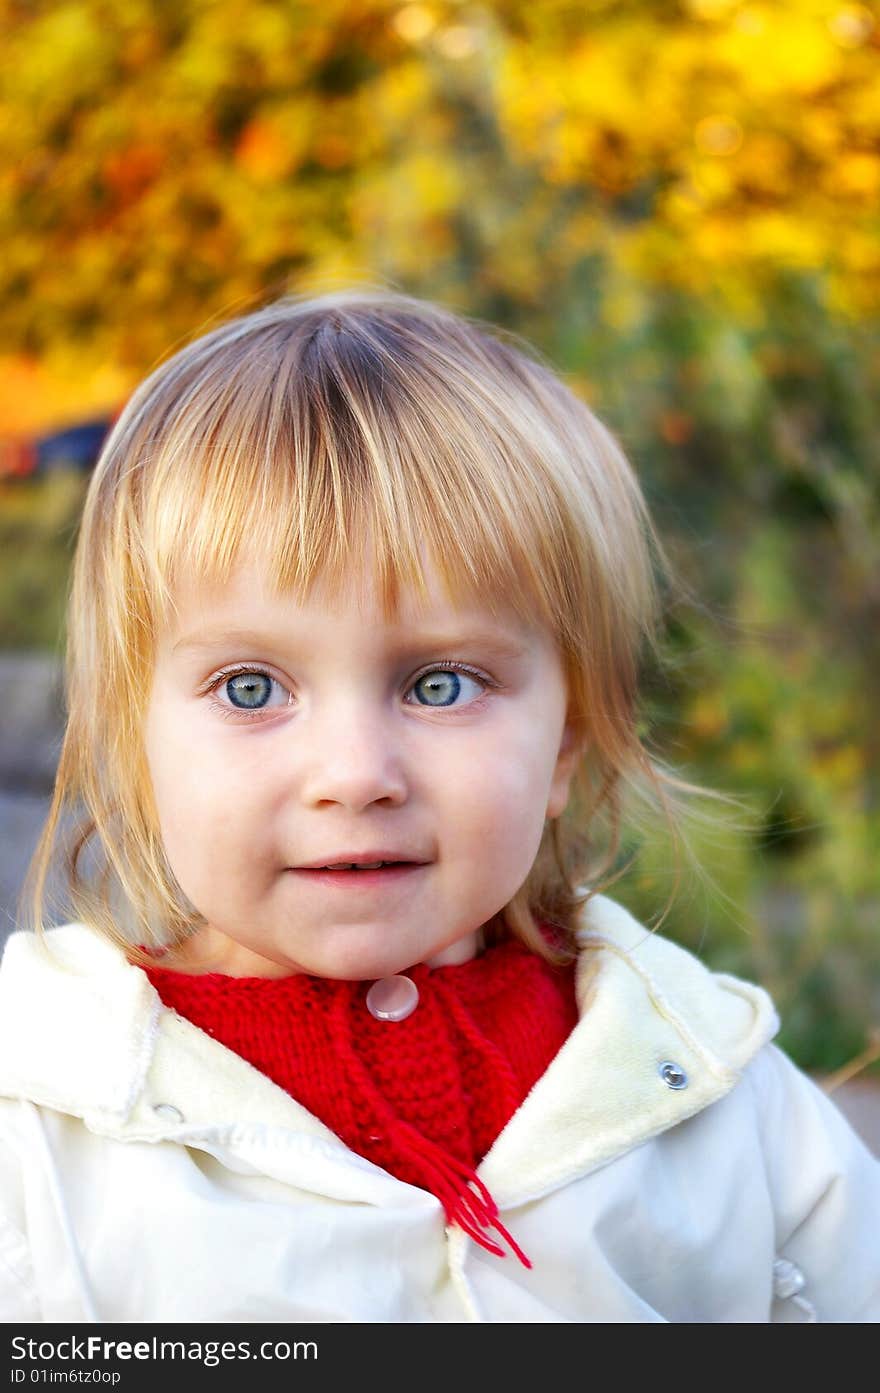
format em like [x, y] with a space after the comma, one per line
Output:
[365, 965]
[361, 970]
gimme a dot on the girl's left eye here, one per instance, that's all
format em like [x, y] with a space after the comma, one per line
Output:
[439, 685]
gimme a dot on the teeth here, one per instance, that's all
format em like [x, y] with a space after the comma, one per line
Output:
[352, 866]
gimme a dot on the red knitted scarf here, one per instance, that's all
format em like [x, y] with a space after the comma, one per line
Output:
[424, 1097]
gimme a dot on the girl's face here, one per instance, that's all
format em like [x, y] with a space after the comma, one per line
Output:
[280, 736]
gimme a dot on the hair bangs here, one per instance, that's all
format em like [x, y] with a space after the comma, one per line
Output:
[342, 448]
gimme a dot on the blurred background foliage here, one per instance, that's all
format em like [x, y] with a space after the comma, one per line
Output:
[676, 201]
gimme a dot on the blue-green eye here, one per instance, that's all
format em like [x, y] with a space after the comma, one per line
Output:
[248, 692]
[442, 685]
[249, 689]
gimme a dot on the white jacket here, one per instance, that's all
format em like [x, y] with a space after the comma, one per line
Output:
[147, 1173]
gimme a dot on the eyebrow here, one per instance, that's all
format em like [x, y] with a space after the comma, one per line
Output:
[505, 644]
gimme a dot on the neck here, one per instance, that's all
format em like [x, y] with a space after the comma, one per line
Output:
[461, 951]
[195, 957]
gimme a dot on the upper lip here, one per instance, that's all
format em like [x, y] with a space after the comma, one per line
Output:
[358, 858]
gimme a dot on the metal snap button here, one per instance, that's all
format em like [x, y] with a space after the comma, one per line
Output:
[168, 1111]
[672, 1074]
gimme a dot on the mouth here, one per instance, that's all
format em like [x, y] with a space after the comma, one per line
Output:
[361, 878]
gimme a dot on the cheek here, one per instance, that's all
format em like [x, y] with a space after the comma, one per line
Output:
[518, 765]
[498, 793]
[190, 805]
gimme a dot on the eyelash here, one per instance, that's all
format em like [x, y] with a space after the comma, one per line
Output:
[233, 713]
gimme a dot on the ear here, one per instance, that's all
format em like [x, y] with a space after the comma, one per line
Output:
[570, 750]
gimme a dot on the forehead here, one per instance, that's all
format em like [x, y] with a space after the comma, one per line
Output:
[250, 598]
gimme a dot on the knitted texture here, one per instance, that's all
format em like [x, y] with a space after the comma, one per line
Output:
[424, 1097]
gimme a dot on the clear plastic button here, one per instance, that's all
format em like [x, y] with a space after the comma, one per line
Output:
[392, 998]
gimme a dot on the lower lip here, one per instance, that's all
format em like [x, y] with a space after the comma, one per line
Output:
[361, 880]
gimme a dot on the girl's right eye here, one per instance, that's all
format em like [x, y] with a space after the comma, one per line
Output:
[248, 689]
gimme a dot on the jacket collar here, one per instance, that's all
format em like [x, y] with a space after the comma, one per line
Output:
[84, 1032]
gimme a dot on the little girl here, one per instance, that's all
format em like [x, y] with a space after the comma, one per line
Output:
[344, 1029]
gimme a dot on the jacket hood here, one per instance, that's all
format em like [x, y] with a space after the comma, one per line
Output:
[83, 1032]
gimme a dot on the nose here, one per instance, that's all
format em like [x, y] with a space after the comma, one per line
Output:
[352, 756]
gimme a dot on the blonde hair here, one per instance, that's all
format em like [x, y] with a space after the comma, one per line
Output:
[294, 429]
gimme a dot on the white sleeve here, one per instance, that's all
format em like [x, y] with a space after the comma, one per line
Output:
[825, 1189]
[18, 1295]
